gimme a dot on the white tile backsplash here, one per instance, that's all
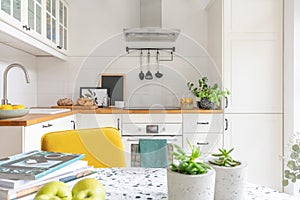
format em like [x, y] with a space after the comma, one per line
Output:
[100, 48]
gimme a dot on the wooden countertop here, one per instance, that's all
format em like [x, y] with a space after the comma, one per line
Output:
[31, 119]
[146, 111]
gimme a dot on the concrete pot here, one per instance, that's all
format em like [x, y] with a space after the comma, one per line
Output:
[191, 187]
[230, 182]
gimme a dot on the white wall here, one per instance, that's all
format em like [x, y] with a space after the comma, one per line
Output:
[97, 46]
[18, 92]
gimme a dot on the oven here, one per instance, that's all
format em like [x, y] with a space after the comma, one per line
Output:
[132, 133]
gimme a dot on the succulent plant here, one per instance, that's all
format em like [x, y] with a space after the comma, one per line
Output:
[292, 172]
[187, 163]
[224, 159]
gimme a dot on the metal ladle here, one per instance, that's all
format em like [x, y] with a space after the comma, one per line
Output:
[158, 74]
[148, 74]
[141, 74]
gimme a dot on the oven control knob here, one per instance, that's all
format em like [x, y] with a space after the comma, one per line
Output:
[139, 129]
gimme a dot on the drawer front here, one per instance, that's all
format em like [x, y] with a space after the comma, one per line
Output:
[208, 143]
[152, 129]
[152, 118]
[202, 123]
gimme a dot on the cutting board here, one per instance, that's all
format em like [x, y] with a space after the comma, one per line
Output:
[77, 107]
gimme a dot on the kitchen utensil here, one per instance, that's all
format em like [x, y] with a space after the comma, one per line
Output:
[158, 74]
[141, 74]
[149, 75]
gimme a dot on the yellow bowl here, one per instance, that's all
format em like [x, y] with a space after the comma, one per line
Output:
[5, 114]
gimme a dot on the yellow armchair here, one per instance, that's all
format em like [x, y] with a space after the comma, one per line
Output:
[102, 147]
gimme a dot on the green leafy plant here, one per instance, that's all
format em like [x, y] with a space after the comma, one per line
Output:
[187, 163]
[212, 93]
[224, 159]
[292, 172]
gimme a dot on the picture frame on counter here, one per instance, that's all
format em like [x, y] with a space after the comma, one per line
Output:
[97, 94]
[116, 85]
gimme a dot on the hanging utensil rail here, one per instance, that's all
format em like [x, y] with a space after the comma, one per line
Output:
[172, 49]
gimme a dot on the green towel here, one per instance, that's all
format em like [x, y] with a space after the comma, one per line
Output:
[154, 153]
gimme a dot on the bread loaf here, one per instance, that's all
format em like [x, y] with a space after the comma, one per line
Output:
[84, 102]
[65, 102]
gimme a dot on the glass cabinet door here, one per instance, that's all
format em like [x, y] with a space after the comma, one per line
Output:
[12, 8]
[62, 26]
[51, 18]
[34, 14]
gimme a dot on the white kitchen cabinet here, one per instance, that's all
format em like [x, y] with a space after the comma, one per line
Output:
[56, 24]
[34, 133]
[19, 139]
[208, 143]
[253, 55]
[11, 11]
[203, 130]
[257, 140]
[253, 72]
[43, 21]
[85, 121]
[202, 123]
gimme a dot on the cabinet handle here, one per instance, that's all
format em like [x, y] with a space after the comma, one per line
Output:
[74, 125]
[203, 123]
[118, 123]
[59, 47]
[202, 143]
[47, 126]
[226, 102]
[26, 27]
[226, 124]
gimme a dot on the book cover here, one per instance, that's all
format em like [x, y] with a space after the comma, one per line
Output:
[65, 171]
[35, 165]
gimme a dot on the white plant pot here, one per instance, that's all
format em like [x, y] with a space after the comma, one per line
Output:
[191, 187]
[230, 182]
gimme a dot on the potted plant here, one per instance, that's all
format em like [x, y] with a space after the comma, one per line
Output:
[188, 178]
[292, 171]
[231, 176]
[210, 96]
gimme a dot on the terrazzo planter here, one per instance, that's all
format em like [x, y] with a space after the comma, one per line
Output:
[205, 104]
[191, 187]
[230, 182]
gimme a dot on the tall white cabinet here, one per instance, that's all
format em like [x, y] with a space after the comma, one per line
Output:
[253, 72]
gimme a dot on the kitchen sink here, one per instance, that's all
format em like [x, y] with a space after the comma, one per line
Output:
[50, 111]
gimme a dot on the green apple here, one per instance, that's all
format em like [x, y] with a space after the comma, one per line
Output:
[55, 190]
[88, 189]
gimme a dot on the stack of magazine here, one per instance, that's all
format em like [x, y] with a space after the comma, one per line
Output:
[24, 174]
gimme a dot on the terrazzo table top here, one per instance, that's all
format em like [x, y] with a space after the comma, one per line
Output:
[151, 184]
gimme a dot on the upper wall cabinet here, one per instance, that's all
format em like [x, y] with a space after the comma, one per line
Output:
[40, 25]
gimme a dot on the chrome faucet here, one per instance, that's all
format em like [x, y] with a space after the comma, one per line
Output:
[5, 100]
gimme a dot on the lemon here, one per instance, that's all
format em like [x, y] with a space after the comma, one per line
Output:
[6, 107]
[18, 107]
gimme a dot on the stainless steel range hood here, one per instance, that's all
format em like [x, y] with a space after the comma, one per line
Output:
[151, 24]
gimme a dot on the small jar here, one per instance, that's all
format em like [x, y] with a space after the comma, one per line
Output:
[186, 102]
